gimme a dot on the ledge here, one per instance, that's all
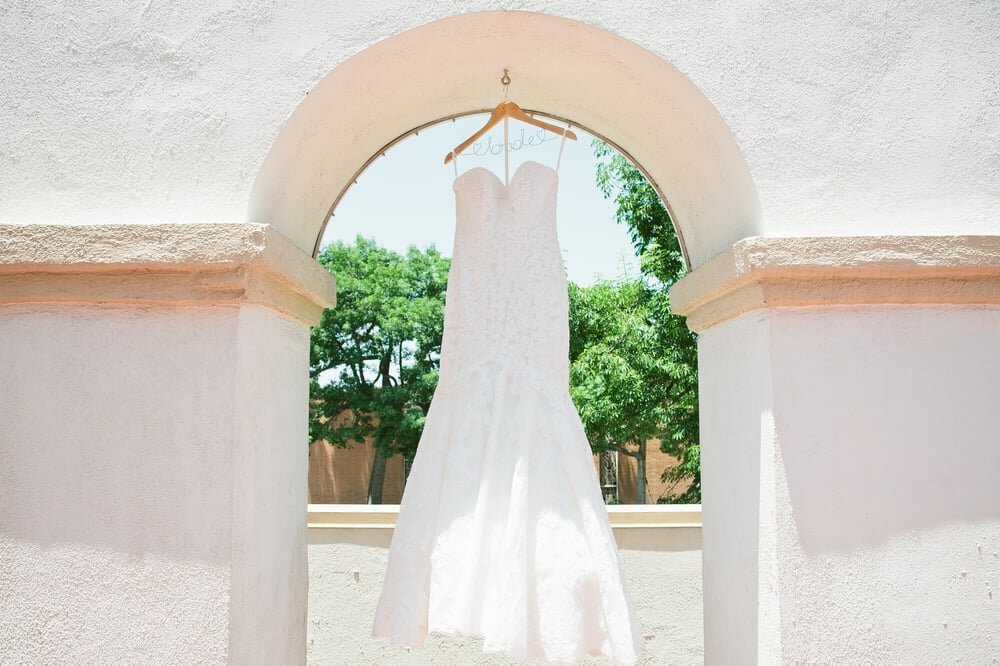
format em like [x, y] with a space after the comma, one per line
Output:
[383, 516]
[762, 272]
[162, 264]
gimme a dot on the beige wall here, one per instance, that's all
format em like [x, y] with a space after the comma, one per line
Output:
[340, 475]
[656, 462]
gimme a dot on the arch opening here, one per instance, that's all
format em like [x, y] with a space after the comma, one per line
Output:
[403, 201]
[562, 69]
[534, 112]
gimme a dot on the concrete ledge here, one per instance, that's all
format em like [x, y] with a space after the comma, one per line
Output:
[383, 516]
[762, 272]
[162, 264]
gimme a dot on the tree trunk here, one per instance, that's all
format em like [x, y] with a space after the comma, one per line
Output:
[377, 478]
[640, 474]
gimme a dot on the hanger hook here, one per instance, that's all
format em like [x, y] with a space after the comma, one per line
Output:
[505, 81]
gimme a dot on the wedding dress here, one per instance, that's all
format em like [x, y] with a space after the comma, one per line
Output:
[502, 530]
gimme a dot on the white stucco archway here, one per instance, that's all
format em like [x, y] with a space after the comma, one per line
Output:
[565, 68]
[848, 357]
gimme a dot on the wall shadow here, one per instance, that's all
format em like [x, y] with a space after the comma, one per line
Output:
[896, 425]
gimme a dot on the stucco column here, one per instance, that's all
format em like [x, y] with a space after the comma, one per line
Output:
[153, 397]
[850, 449]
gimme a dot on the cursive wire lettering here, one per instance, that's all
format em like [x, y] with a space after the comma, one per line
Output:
[525, 139]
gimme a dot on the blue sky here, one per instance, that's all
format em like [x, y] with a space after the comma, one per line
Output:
[405, 198]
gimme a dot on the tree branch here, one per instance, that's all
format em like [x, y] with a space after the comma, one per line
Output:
[621, 448]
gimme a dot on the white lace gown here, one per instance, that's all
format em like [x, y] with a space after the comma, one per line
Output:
[502, 530]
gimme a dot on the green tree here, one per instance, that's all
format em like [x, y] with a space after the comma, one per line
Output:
[639, 208]
[375, 355]
[630, 379]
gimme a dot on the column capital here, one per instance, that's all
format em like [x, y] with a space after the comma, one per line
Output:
[163, 265]
[772, 272]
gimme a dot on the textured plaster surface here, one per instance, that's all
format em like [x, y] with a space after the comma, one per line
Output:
[849, 459]
[557, 65]
[115, 512]
[137, 243]
[855, 119]
[162, 264]
[346, 569]
[150, 510]
[885, 479]
[270, 573]
[734, 392]
[792, 272]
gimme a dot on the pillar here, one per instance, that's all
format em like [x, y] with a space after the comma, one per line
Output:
[850, 405]
[153, 426]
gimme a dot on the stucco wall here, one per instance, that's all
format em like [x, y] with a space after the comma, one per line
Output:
[346, 568]
[734, 392]
[859, 118]
[93, 451]
[270, 436]
[886, 479]
[850, 495]
[855, 118]
[148, 494]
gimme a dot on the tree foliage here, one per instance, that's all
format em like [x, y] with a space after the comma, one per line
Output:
[633, 366]
[633, 376]
[640, 209]
[375, 355]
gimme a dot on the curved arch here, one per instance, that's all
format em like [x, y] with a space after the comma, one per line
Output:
[559, 66]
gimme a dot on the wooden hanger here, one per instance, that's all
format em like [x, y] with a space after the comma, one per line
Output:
[503, 110]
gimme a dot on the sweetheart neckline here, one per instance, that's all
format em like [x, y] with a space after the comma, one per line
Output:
[505, 187]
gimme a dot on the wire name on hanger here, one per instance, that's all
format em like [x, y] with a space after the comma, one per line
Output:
[535, 138]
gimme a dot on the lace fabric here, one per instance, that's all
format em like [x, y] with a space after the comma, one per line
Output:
[502, 530]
